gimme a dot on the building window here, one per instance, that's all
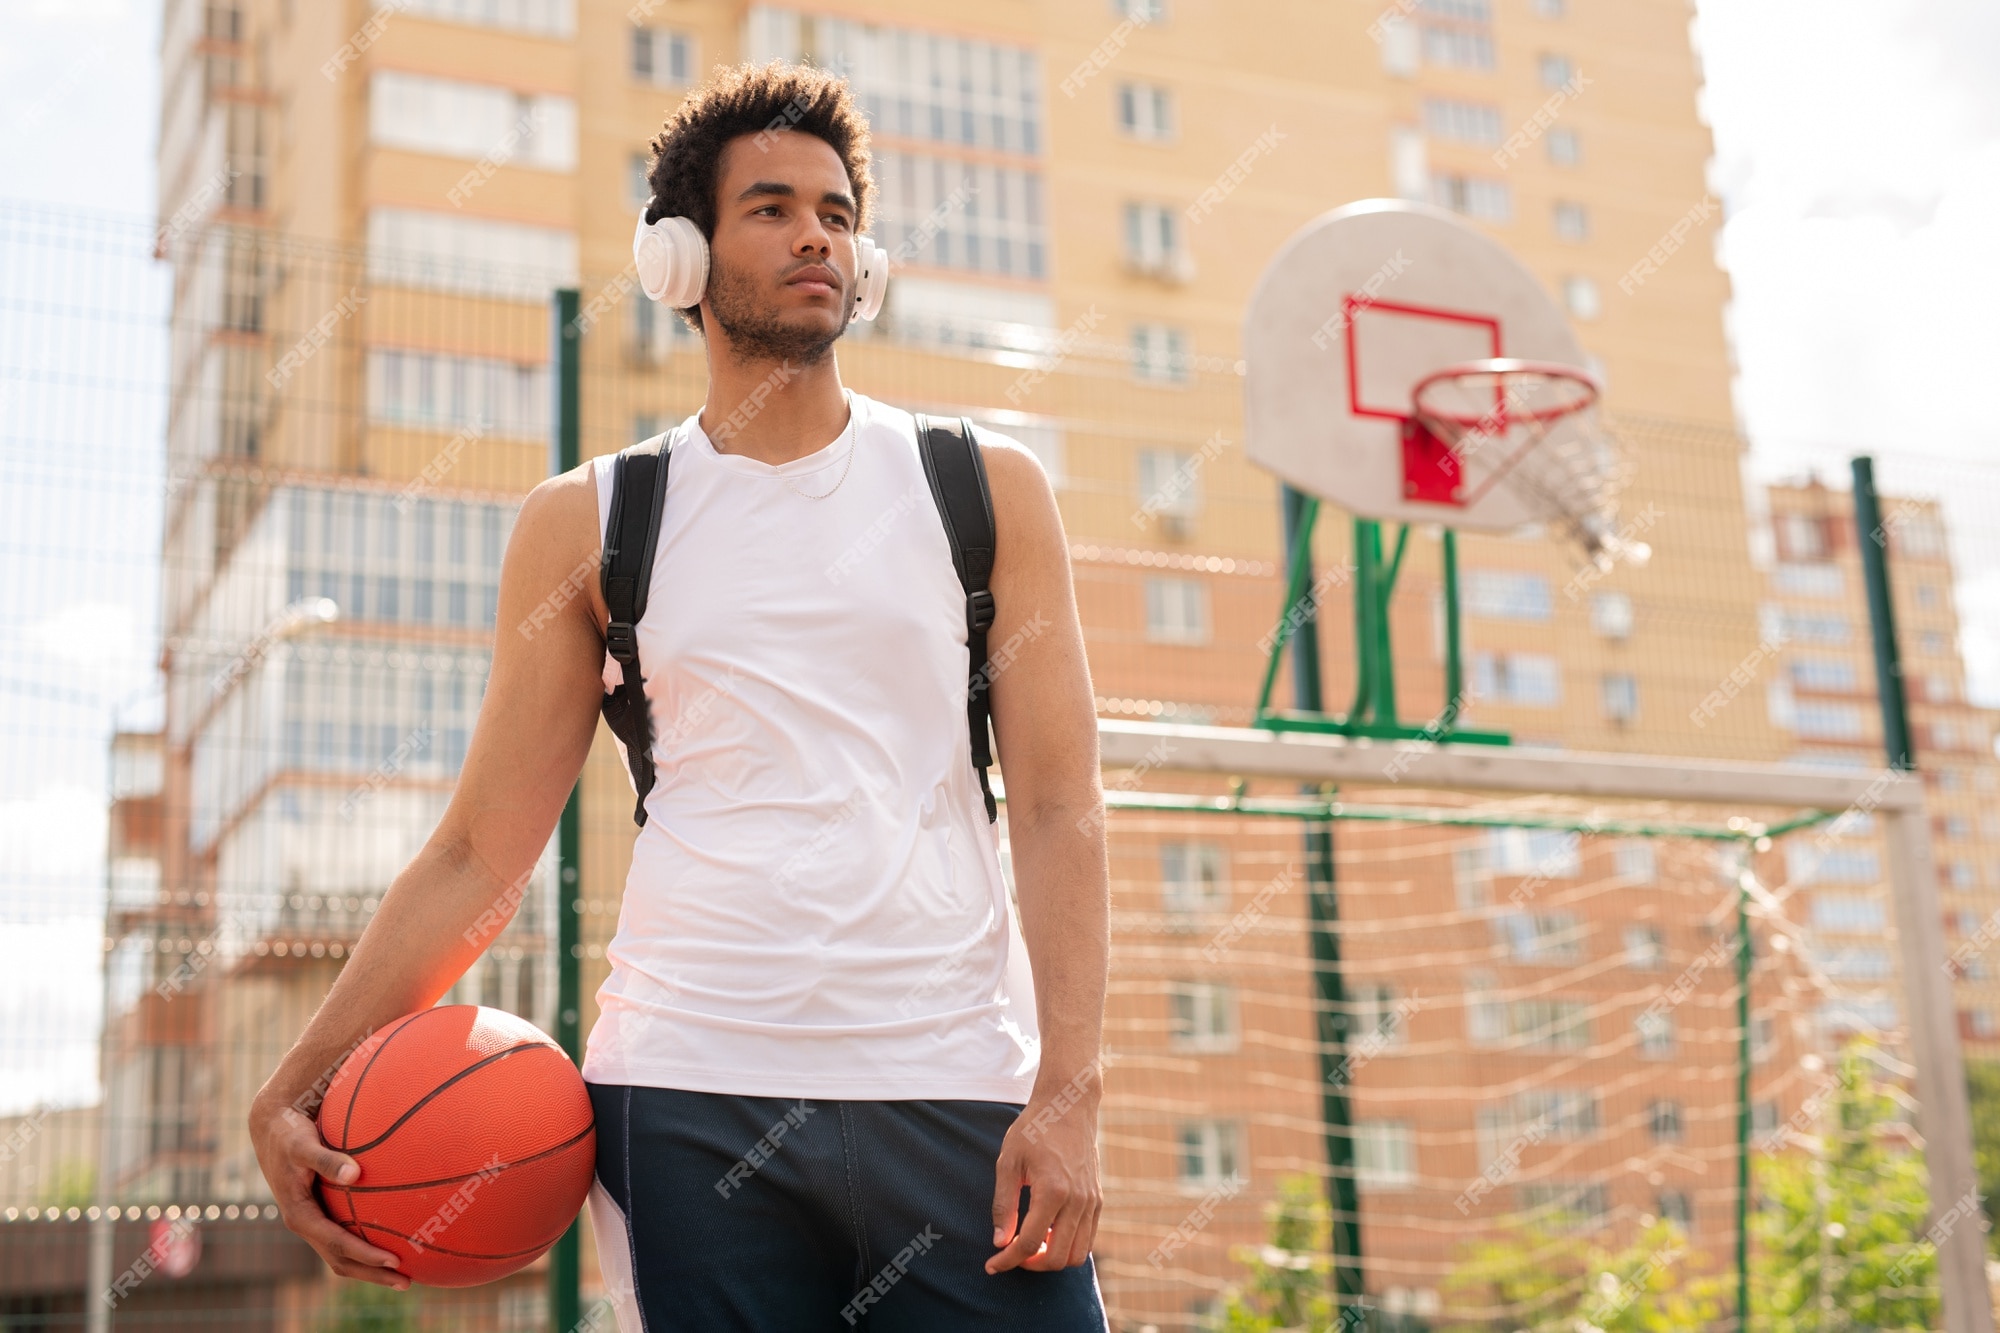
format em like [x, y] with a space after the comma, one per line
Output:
[1373, 1016]
[543, 18]
[1635, 861]
[1485, 1012]
[1201, 1016]
[1176, 611]
[1572, 222]
[1611, 614]
[1826, 675]
[455, 118]
[1568, 1206]
[1160, 354]
[662, 57]
[1170, 490]
[1674, 1207]
[1823, 721]
[1462, 122]
[1456, 33]
[1664, 1118]
[1816, 579]
[1645, 948]
[1153, 241]
[1529, 680]
[1562, 1114]
[1563, 147]
[1550, 9]
[1580, 294]
[1385, 1154]
[1146, 111]
[1550, 1025]
[1806, 863]
[1763, 1038]
[1555, 71]
[1141, 11]
[476, 256]
[1475, 196]
[638, 185]
[1541, 853]
[1507, 595]
[1194, 877]
[438, 392]
[1848, 914]
[1620, 693]
[1544, 938]
[1656, 1034]
[1861, 963]
[1210, 1153]
[1982, 1024]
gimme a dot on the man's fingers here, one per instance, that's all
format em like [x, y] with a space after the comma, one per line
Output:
[1044, 1203]
[1062, 1236]
[1006, 1192]
[335, 1241]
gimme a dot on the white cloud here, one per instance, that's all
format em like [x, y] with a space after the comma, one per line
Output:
[1860, 163]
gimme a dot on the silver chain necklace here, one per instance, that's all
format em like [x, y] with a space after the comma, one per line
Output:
[852, 425]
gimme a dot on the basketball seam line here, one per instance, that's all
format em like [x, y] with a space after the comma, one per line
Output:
[347, 1120]
[463, 1254]
[504, 1166]
[424, 1100]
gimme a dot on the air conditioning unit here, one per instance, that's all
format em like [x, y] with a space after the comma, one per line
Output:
[1175, 266]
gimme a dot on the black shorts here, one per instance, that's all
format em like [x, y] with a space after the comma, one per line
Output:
[718, 1213]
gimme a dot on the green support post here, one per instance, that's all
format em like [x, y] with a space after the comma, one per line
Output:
[1324, 906]
[1454, 667]
[1743, 1102]
[565, 1267]
[1873, 539]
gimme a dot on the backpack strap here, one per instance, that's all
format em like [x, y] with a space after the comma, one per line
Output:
[957, 476]
[631, 535]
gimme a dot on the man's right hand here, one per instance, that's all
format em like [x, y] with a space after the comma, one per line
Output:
[290, 1153]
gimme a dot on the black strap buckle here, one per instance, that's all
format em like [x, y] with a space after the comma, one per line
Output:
[978, 611]
[621, 641]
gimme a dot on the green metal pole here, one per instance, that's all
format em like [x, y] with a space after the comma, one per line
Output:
[1324, 915]
[1873, 539]
[1384, 681]
[1454, 667]
[1364, 616]
[1743, 1105]
[565, 1266]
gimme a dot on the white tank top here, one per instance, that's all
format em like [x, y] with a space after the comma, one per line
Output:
[815, 906]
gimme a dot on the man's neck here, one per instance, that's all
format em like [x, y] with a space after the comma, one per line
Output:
[773, 411]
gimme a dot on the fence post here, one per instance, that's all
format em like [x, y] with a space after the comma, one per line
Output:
[565, 1271]
[1324, 912]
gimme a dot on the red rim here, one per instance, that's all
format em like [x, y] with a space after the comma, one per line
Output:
[1499, 369]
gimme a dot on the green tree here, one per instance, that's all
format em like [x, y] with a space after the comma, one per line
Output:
[363, 1307]
[1839, 1241]
[1287, 1286]
[1551, 1280]
[74, 1185]
[1982, 1087]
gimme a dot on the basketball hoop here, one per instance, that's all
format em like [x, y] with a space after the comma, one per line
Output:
[1499, 422]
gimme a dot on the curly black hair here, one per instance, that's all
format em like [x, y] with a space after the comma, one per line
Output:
[752, 99]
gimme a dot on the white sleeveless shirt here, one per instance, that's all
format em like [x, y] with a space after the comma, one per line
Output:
[815, 906]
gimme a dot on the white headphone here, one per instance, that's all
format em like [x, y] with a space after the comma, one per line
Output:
[672, 259]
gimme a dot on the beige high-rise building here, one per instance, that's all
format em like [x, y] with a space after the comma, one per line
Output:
[1825, 694]
[368, 207]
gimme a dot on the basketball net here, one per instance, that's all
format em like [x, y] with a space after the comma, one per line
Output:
[1529, 426]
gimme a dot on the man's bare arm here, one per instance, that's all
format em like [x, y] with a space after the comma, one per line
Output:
[1045, 721]
[534, 730]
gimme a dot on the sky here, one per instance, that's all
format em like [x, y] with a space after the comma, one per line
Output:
[1857, 156]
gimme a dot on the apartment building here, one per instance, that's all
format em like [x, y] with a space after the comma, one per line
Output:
[367, 208]
[1824, 692]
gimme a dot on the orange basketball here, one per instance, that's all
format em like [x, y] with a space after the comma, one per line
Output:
[475, 1139]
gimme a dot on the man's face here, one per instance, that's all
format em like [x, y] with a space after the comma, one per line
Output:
[782, 263]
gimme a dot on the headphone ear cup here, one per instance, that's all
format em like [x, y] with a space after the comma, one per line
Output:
[871, 277]
[671, 258]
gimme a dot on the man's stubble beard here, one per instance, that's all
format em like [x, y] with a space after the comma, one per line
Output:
[755, 331]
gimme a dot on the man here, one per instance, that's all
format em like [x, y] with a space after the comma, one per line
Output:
[822, 1076]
